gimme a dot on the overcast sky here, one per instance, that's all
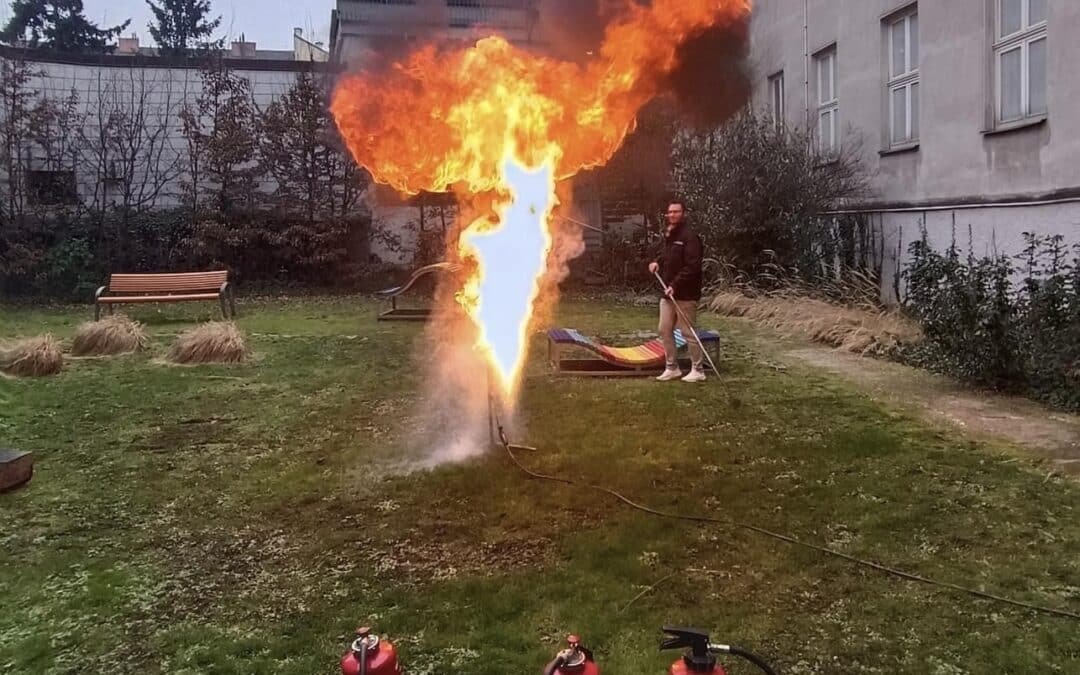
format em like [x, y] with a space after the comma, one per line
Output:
[268, 22]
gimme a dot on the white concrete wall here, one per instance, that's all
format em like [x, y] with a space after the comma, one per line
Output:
[308, 51]
[159, 93]
[986, 231]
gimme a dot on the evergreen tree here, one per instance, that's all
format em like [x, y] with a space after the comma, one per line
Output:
[221, 126]
[314, 175]
[182, 25]
[59, 25]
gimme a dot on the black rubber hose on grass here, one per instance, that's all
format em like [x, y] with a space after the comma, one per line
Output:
[890, 571]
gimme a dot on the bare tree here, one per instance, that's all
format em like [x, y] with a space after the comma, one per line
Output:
[17, 101]
[35, 136]
[756, 190]
[317, 186]
[126, 141]
[55, 152]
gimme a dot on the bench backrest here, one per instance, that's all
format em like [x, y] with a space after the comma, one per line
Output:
[167, 283]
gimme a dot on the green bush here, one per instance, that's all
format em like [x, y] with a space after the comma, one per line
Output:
[263, 247]
[68, 257]
[985, 328]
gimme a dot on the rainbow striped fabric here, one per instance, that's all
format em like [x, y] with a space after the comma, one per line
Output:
[646, 355]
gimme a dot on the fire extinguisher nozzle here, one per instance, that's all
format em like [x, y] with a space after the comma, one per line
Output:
[554, 666]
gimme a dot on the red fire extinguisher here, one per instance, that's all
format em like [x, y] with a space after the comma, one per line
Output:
[574, 660]
[700, 656]
[370, 655]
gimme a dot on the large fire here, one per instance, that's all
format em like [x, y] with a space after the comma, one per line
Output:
[496, 120]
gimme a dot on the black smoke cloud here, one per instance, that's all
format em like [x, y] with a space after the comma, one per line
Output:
[573, 30]
[711, 82]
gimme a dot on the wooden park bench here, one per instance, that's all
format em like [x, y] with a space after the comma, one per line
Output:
[126, 289]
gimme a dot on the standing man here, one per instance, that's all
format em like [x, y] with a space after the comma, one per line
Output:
[679, 265]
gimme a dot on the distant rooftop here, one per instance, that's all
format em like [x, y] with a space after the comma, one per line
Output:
[303, 50]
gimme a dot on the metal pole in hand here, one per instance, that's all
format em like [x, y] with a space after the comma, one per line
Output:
[492, 435]
[686, 322]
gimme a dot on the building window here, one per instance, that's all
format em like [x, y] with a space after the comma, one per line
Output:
[828, 100]
[903, 80]
[776, 99]
[1020, 59]
[51, 188]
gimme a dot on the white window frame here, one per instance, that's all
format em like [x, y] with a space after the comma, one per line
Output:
[777, 102]
[830, 106]
[907, 80]
[1022, 39]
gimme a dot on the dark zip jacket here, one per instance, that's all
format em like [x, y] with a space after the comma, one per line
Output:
[680, 262]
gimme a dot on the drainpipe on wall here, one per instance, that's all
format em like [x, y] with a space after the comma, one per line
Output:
[806, 62]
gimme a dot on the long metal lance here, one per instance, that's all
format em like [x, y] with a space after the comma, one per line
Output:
[581, 224]
[686, 322]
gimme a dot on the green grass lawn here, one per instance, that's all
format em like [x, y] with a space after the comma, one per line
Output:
[245, 519]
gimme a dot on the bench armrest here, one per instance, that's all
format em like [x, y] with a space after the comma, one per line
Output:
[99, 291]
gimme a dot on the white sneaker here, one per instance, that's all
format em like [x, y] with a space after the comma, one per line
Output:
[694, 375]
[669, 375]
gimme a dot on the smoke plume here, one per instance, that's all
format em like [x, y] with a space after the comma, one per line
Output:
[711, 82]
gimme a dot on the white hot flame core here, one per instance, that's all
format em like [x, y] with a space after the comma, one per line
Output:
[512, 258]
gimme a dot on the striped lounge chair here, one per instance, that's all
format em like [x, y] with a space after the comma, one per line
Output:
[613, 361]
[395, 313]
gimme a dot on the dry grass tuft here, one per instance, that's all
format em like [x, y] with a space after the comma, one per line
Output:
[212, 342]
[853, 329]
[112, 335]
[31, 357]
[731, 303]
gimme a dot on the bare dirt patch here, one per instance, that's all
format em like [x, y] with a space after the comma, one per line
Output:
[1047, 433]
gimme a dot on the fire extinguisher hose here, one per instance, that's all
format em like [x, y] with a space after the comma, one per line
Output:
[884, 569]
[753, 658]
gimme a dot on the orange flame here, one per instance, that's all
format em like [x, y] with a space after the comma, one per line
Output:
[493, 118]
